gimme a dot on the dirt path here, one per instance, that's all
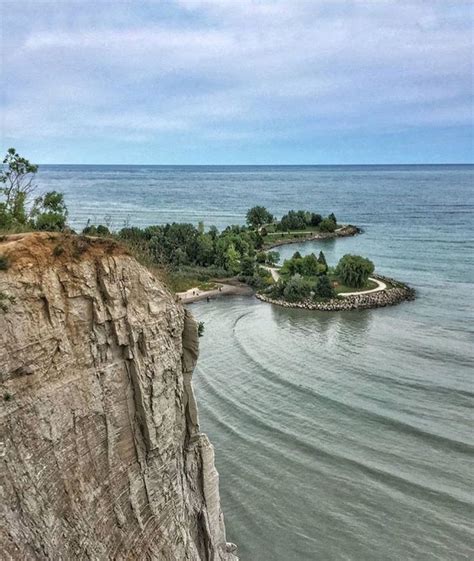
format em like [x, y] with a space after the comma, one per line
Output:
[274, 272]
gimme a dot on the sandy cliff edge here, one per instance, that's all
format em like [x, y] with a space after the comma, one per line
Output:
[102, 456]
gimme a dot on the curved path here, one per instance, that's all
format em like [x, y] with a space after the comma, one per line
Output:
[380, 286]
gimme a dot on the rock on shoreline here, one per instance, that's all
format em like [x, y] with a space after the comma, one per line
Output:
[399, 292]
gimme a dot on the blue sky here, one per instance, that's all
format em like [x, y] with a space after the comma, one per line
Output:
[238, 81]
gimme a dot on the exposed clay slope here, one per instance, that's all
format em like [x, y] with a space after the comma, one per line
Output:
[102, 457]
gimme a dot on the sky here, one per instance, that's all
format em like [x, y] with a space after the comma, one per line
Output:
[237, 81]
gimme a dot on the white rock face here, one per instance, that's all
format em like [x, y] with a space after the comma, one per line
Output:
[101, 452]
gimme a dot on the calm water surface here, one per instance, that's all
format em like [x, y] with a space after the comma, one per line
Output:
[343, 436]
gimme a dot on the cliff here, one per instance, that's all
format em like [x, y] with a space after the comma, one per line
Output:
[102, 457]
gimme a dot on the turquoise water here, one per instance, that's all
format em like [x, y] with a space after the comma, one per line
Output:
[345, 436]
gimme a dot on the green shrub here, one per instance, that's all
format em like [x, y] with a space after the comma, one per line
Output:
[276, 290]
[322, 262]
[92, 230]
[247, 266]
[49, 212]
[297, 289]
[272, 258]
[258, 216]
[323, 288]
[327, 225]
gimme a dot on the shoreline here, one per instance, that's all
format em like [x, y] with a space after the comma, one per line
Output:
[228, 288]
[343, 232]
[389, 291]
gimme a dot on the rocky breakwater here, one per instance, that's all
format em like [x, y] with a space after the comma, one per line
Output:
[102, 456]
[395, 293]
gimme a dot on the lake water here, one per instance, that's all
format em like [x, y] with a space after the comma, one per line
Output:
[339, 436]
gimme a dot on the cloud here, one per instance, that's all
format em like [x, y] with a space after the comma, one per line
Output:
[237, 70]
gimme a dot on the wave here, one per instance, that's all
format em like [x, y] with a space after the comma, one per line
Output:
[352, 410]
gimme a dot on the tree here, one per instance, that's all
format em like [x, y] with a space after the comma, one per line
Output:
[324, 288]
[103, 230]
[204, 250]
[296, 289]
[310, 265]
[272, 258]
[213, 232]
[316, 219]
[292, 267]
[354, 270]
[332, 217]
[232, 259]
[247, 266]
[327, 225]
[16, 184]
[295, 220]
[257, 216]
[322, 262]
[49, 212]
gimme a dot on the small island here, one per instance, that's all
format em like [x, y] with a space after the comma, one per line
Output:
[296, 226]
[308, 282]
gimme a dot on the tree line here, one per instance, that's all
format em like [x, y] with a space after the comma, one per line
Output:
[259, 218]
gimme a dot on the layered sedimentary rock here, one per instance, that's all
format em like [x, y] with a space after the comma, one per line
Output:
[102, 457]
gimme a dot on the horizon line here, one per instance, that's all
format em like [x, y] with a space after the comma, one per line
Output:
[264, 165]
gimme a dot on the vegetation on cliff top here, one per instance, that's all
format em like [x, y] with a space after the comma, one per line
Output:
[19, 211]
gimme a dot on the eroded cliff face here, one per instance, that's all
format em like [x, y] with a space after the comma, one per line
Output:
[101, 452]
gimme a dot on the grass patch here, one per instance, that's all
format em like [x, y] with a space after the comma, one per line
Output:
[341, 288]
[276, 237]
[178, 283]
[301, 231]
[187, 276]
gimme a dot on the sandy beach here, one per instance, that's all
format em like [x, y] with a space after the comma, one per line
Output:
[222, 289]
